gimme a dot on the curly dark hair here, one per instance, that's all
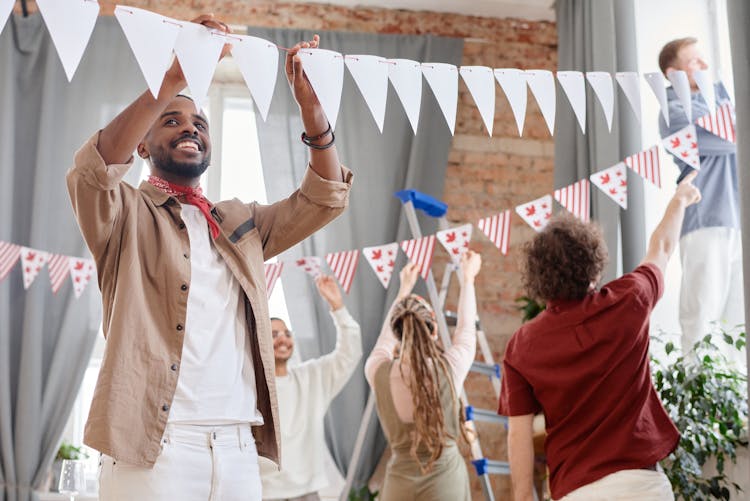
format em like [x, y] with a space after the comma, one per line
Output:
[562, 261]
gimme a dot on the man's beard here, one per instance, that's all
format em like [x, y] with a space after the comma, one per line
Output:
[163, 161]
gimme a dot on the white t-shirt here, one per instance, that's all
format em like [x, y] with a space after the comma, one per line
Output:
[216, 383]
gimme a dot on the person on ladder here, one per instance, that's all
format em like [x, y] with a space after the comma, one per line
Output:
[584, 362]
[417, 394]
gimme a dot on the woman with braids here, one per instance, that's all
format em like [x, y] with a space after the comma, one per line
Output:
[417, 393]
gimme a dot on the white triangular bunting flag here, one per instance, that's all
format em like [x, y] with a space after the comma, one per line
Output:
[443, 80]
[58, 268]
[312, 265]
[647, 164]
[456, 241]
[370, 73]
[497, 229]
[273, 272]
[382, 259]
[630, 84]
[681, 86]
[198, 49]
[344, 266]
[683, 144]
[601, 82]
[481, 84]
[613, 182]
[536, 213]
[32, 261]
[81, 273]
[406, 77]
[151, 38]
[513, 82]
[576, 198]
[575, 88]
[706, 86]
[258, 60]
[325, 71]
[720, 123]
[70, 25]
[542, 85]
[9, 254]
[419, 251]
[6, 7]
[658, 85]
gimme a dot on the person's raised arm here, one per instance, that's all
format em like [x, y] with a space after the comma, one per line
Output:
[665, 237]
[461, 353]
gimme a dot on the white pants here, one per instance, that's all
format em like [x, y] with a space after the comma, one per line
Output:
[636, 485]
[197, 463]
[712, 290]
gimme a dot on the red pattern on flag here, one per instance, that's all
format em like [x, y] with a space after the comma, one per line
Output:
[683, 144]
[497, 229]
[720, 123]
[9, 255]
[32, 261]
[576, 198]
[647, 164]
[613, 181]
[419, 251]
[536, 213]
[58, 268]
[382, 259]
[344, 265]
[456, 241]
[273, 272]
[311, 265]
[81, 273]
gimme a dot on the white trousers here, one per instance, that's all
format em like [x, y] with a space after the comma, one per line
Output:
[636, 485]
[197, 463]
[712, 290]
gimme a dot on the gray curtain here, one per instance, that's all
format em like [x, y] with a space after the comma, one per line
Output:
[46, 340]
[599, 35]
[382, 164]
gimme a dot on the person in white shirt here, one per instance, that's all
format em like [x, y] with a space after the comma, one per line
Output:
[304, 392]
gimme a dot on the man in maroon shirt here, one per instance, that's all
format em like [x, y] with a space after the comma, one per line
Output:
[584, 362]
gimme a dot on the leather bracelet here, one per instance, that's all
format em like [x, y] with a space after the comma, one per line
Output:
[309, 143]
[319, 136]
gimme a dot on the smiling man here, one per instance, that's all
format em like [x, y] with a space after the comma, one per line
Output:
[186, 397]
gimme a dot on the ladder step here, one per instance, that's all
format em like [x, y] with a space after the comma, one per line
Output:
[491, 370]
[474, 414]
[490, 466]
[451, 318]
[422, 201]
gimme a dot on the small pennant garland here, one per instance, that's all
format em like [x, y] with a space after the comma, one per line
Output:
[720, 123]
[382, 259]
[32, 261]
[311, 265]
[456, 241]
[647, 164]
[81, 273]
[613, 181]
[575, 198]
[9, 254]
[419, 251]
[344, 265]
[273, 272]
[536, 213]
[684, 145]
[497, 229]
[58, 268]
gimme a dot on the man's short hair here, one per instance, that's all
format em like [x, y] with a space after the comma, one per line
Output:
[668, 54]
[562, 260]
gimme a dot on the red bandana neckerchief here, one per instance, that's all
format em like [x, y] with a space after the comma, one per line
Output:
[192, 196]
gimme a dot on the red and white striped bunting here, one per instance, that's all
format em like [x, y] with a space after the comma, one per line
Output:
[497, 229]
[58, 268]
[9, 254]
[647, 164]
[81, 273]
[720, 123]
[576, 198]
[32, 261]
[344, 265]
[273, 272]
[419, 251]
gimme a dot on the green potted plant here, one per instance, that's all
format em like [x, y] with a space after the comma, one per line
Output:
[66, 451]
[705, 397]
[362, 494]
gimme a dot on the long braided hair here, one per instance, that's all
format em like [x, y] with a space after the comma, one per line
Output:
[413, 322]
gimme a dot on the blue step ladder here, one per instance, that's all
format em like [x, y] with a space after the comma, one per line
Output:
[412, 201]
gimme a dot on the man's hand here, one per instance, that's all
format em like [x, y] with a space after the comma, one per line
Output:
[300, 85]
[329, 290]
[686, 192]
[408, 277]
[470, 264]
[174, 74]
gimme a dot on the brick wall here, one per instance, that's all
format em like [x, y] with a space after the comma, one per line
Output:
[484, 175]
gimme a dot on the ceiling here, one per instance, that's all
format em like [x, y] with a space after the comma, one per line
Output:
[535, 10]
